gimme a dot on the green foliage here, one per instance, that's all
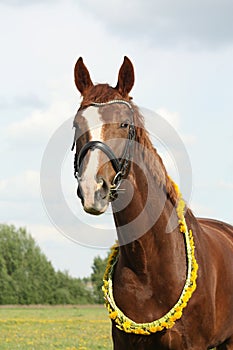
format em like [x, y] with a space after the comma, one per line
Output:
[27, 277]
[98, 269]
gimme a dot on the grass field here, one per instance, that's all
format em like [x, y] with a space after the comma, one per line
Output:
[45, 328]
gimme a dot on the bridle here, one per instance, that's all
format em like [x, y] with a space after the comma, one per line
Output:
[120, 165]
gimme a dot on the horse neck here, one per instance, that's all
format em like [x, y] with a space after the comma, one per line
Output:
[147, 226]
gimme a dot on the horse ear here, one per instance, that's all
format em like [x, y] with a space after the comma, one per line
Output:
[81, 76]
[125, 77]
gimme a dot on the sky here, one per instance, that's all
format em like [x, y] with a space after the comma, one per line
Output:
[182, 52]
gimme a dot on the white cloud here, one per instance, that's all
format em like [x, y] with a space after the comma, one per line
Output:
[24, 2]
[36, 128]
[26, 101]
[24, 186]
[173, 118]
[44, 233]
[225, 185]
[202, 210]
[191, 24]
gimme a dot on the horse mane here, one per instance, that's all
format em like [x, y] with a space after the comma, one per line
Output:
[104, 93]
[156, 167]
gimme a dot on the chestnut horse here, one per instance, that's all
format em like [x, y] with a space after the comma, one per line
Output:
[116, 162]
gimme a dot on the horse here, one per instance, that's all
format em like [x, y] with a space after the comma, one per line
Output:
[169, 280]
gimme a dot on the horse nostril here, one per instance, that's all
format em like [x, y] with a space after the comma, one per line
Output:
[100, 181]
[102, 188]
[105, 188]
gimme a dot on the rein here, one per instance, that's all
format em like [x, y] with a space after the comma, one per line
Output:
[120, 165]
[167, 321]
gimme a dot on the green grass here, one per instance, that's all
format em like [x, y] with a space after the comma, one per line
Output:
[63, 328]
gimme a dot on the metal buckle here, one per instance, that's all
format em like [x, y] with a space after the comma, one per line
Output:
[116, 181]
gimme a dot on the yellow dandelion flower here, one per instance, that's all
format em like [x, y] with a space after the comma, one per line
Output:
[153, 329]
[126, 325]
[140, 331]
[113, 315]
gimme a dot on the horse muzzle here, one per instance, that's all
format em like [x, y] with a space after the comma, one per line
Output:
[95, 196]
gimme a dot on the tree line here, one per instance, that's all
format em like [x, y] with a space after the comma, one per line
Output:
[28, 277]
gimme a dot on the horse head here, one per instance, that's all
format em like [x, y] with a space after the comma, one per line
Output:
[104, 134]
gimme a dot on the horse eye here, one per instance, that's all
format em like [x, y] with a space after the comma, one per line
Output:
[124, 125]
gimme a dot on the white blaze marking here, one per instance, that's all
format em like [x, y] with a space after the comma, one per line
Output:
[94, 122]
